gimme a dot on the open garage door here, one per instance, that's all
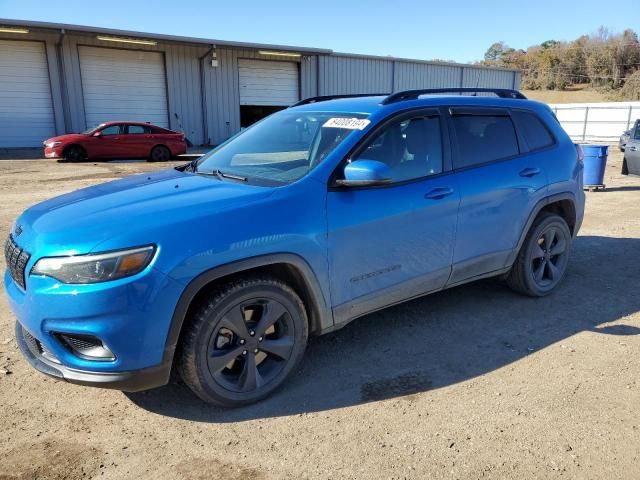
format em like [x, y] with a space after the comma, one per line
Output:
[26, 109]
[266, 87]
[123, 85]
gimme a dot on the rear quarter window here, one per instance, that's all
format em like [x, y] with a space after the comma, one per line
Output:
[484, 138]
[536, 134]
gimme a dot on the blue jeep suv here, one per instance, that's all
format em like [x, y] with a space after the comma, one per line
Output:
[318, 214]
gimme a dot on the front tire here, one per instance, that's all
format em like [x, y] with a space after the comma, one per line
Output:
[74, 153]
[243, 341]
[542, 260]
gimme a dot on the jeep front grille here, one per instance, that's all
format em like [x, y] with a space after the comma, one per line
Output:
[16, 259]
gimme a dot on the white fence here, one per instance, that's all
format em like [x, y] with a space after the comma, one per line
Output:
[596, 121]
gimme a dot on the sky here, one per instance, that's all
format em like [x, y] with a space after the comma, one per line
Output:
[460, 31]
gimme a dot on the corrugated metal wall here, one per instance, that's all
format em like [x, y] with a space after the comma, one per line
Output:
[204, 101]
[347, 74]
[341, 75]
[423, 75]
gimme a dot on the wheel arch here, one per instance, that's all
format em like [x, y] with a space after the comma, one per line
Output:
[156, 145]
[288, 267]
[563, 204]
[71, 145]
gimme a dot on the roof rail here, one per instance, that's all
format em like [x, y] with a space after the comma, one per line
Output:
[324, 98]
[413, 94]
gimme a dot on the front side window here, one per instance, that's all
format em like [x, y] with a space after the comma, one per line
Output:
[484, 138]
[411, 148]
[111, 130]
[283, 147]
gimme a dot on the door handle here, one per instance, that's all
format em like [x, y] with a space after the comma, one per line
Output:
[438, 193]
[633, 149]
[529, 172]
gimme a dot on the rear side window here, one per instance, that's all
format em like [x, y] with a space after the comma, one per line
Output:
[484, 138]
[534, 131]
[138, 130]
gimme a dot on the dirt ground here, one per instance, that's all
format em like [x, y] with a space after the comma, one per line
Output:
[474, 382]
[571, 95]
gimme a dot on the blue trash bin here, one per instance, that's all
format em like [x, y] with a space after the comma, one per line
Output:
[595, 161]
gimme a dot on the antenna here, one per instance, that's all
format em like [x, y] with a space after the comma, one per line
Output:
[477, 85]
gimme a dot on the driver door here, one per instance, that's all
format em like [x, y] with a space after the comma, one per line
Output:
[393, 242]
[109, 143]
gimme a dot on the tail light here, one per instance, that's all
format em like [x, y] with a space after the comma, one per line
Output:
[580, 153]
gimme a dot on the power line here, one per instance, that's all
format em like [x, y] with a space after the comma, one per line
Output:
[592, 77]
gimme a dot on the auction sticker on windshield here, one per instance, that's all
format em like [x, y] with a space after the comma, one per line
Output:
[347, 123]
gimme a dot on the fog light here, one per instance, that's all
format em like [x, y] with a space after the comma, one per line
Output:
[86, 346]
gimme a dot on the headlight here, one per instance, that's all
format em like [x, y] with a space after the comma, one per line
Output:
[94, 268]
[52, 144]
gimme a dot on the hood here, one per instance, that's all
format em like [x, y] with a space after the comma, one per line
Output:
[132, 210]
[69, 137]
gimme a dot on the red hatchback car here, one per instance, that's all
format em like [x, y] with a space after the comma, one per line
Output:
[118, 140]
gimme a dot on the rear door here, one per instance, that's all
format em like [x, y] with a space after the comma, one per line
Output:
[137, 141]
[500, 182]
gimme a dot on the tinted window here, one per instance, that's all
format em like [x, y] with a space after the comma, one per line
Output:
[483, 138]
[411, 148]
[111, 130]
[137, 129]
[533, 129]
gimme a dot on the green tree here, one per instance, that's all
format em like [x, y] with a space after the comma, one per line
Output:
[494, 52]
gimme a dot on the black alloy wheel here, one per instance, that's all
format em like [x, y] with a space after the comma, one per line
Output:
[160, 154]
[542, 260]
[74, 153]
[244, 341]
[252, 345]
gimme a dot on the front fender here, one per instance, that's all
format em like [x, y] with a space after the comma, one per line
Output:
[320, 307]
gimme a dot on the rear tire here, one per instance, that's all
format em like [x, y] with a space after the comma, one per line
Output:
[542, 260]
[242, 342]
[74, 153]
[159, 154]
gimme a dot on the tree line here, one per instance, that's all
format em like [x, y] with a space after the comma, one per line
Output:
[603, 60]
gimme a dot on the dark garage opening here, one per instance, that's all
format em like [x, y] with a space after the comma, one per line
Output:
[250, 114]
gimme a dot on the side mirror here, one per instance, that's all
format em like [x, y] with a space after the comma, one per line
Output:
[97, 134]
[365, 173]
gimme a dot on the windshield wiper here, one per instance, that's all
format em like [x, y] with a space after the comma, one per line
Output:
[220, 174]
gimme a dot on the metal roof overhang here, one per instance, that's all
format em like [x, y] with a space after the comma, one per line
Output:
[158, 37]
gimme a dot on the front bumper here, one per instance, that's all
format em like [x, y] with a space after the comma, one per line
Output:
[132, 381]
[130, 316]
[55, 152]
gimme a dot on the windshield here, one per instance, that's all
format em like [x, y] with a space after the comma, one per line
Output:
[92, 129]
[283, 147]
